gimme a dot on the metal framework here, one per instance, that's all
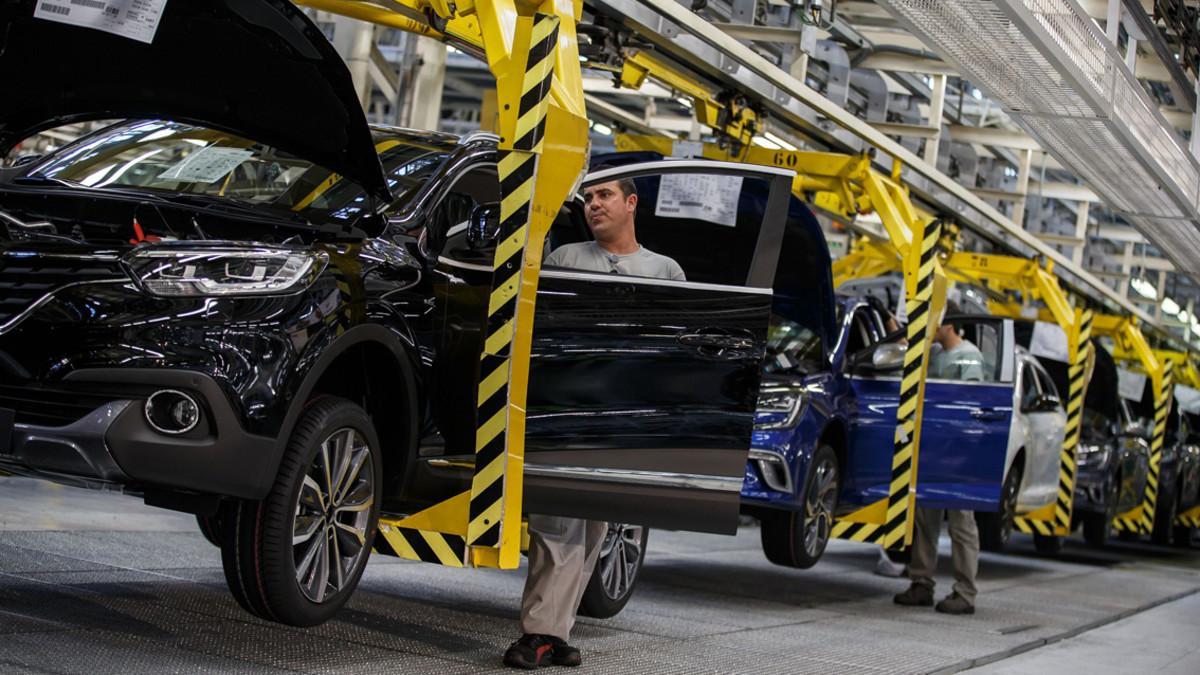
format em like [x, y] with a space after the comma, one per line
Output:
[1130, 340]
[532, 50]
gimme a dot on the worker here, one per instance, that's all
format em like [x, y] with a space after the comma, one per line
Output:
[955, 358]
[563, 551]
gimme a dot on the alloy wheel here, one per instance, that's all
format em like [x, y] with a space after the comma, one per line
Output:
[333, 512]
[620, 558]
[819, 506]
[1008, 512]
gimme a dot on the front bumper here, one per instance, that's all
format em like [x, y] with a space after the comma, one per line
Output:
[113, 445]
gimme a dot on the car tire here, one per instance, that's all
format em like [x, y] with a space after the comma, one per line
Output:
[1098, 526]
[798, 538]
[616, 572]
[1164, 521]
[283, 556]
[210, 527]
[1181, 537]
[995, 529]
[1047, 544]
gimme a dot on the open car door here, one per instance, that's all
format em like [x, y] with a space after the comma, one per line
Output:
[643, 390]
[965, 430]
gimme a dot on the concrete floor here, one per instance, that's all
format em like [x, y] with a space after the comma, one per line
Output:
[99, 583]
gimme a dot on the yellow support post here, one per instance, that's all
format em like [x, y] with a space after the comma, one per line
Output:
[531, 48]
[1130, 340]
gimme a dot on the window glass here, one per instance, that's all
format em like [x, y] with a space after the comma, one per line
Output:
[792, 347]
[173, 157]
[976, 359]
[1029, 386]
[706, 223]
[469, 214]
[1046, 384]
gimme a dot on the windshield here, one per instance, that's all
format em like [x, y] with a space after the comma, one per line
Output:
[177, 158]
[792, 348]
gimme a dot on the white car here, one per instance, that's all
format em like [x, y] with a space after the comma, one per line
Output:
[1035, 441]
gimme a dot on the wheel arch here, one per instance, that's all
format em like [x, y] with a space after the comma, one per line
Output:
[371, 365]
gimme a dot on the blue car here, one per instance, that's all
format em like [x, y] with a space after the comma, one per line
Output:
[824, 436]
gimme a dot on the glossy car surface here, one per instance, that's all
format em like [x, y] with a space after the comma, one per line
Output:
[258, 319]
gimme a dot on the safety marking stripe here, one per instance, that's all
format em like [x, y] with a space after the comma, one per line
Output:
[535, 87]
[1064, 503]
[1141, 519]
[517, 169]
[423, 545]
[901, 497]
[1189, 518]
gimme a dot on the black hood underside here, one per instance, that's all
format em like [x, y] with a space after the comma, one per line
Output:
[256, 68]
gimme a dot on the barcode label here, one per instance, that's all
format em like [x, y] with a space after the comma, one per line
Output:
[134, 19]
[54, 9]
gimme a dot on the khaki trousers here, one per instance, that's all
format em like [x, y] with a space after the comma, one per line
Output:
[964, 549]
[562, 554]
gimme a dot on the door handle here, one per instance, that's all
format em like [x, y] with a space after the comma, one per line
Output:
[715, 342]
[987, 414]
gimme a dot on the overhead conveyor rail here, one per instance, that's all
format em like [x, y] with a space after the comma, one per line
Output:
[710, 53]
[1061, 78]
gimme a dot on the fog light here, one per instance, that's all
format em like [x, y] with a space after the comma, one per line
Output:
[172, 412]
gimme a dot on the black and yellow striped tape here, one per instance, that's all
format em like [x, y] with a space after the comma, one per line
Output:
[516, 169]
[431, 547]
[1142, 522]
[893, 532]
[1060, 523]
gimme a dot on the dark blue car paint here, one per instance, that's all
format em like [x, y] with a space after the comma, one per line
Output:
[948, 475]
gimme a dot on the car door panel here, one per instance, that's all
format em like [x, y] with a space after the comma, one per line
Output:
[642, 390]
[964, 437]
[648, 386]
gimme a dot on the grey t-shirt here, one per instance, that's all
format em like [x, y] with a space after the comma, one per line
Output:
[963, 362]
[641, 263]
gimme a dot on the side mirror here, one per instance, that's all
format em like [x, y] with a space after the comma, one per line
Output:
[483, 227]
[1042, 403]
[888, 356]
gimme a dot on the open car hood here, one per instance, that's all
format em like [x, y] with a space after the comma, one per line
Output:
[256, 68]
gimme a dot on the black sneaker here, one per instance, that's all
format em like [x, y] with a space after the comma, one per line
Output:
[564, 654]
[531, 651]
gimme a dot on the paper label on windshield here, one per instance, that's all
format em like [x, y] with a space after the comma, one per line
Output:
[207, 165]
[1049, 342]
[134, 19]
[713, 199]
[1130, 385]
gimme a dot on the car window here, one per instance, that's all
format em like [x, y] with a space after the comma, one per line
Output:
[1045, 383]
[174, 157]
[1029, 386]
[469, 215]
[707, 223]
[863, 332]
[978, 360]
[792, 348]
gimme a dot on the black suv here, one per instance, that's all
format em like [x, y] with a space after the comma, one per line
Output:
[244, 303]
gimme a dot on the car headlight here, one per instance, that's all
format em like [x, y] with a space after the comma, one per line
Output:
[779, 407]
[1092, 453]
[192, 272]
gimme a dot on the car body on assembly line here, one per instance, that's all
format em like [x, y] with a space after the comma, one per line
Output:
[275, 320]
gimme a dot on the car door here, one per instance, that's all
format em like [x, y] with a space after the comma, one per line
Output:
[1047, 428]
[643, 390]
[873, 412]
[964, 432]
